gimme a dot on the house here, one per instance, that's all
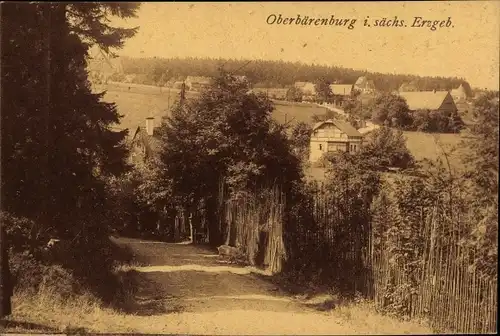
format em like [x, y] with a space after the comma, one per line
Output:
[364, 85]
[333, 136]
[197, 83]
[341, 89]
[340, 93]
[145, 142]
[430, 100]
[459, 94]
[308, 89]
[408, 87]
[291, 113]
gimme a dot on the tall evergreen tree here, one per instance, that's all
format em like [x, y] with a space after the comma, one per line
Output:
[57, 144]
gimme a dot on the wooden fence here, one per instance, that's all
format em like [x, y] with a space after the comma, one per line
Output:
[438, 283]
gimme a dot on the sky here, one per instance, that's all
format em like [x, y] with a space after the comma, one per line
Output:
[469, 48]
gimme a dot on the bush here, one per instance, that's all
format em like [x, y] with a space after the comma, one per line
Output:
[436, 122]
[387, 148]
[32, 276]
[22, 233]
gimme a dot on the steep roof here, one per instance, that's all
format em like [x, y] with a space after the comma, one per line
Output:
[361, 80]
[341, 89]
[459, 91]
[343, 126]
[364, 83]
[408, 87]
[293, 112]
[151, 143]
[420, 100]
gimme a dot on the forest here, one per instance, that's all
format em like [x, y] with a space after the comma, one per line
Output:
[272, 74]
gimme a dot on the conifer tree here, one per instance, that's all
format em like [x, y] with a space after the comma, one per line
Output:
[57, 144]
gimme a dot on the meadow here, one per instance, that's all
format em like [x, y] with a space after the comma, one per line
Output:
[140, 102]
[432, 146]
[137, 102]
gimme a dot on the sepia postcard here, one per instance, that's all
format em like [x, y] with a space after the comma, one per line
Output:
[249, 168]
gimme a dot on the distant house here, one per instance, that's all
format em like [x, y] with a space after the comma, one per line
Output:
[145, 142]
[333, 136]
[364, 85]
[430, 100]
[341, 92]
[292, 113]
[197, 83]
[308, 89]
[341, 89]
[459, 94]
[408, 87]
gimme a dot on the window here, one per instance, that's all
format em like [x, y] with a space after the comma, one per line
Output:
[320, 147]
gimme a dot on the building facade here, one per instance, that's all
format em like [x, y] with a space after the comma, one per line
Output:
[308, 90]
[333, 136]
[365, 85]
[145, 142]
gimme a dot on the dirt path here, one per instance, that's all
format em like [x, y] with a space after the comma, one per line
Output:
[185, 289]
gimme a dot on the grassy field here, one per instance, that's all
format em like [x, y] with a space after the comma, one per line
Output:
[432, 146]
[140, 102]
[137, 102]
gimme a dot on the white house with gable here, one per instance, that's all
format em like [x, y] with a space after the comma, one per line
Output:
[333, 136]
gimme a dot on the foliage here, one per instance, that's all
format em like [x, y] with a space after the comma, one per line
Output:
[59, 143]
[354, 108]
[483, 148]
[300, 138]
[227, 134]
[436, 121]
[294, 94]
[390, 110]
[386, 148]
[329, 114]
[323, 90]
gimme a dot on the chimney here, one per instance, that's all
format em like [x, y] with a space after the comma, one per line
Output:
[150, 125]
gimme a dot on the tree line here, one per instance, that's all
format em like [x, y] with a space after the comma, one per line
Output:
[276, 74]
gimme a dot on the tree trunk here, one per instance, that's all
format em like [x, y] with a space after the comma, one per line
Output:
[214, 233]
[6, 286]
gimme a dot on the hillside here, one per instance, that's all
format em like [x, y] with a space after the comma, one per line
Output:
[137, 102]
[274, 74]
[140, 102]
[431, 146]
